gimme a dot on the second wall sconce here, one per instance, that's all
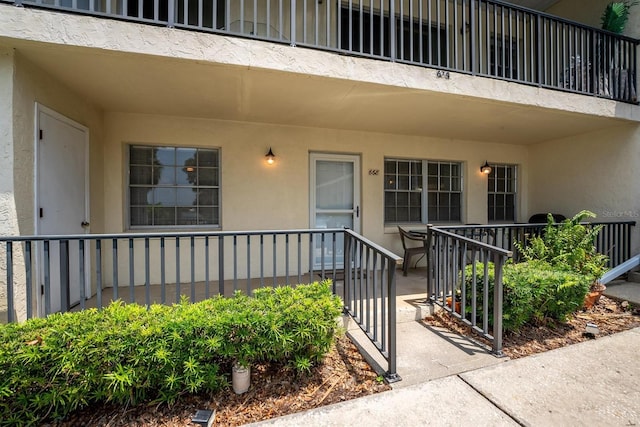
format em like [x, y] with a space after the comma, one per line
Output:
[271, 158]
[486, 168]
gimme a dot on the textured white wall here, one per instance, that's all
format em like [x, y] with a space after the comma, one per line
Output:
[255, 196]
[597, 171]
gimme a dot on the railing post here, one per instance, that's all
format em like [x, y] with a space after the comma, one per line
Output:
[429, 256]
[391, 375]
[472, 18]
[171, 14]
[392, 30]
[221, 265]
[498, 264]
[292, 11]
[347, 271]
[29, 276]
[10, 307]
[63, 253]
[539, 49]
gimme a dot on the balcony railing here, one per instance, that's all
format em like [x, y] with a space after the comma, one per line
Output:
[459, 260]
[47, 274]
[455, 287]
[480, 37]
[614, 240]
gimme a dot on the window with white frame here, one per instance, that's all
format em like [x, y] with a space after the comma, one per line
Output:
[405, 200]
[173, 186]
[501, 193]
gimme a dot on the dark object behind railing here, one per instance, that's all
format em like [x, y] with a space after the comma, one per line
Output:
[480, 37]
[448, 257]
[614, 240]
[81, 271]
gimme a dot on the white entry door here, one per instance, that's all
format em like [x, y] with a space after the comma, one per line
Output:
[335, 203]
[61, 202]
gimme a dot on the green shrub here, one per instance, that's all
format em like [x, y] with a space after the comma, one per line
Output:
[569, 245]
[533, 291]
[128, 354]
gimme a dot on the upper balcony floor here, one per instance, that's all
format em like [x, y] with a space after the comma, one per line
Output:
[485, 38]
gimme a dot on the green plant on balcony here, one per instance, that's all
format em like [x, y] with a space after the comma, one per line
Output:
[614, 79]
[616, 14]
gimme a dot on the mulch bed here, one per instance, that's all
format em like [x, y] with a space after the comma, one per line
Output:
[609, 315]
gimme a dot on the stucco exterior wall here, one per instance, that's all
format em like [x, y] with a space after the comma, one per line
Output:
[257, 196]
[8, 216]
[32, 86]
[597, 171]
[22, 85]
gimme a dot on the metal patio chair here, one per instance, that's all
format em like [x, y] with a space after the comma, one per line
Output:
[410, 251]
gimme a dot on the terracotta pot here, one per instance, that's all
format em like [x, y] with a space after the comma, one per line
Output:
[457, 309]
[591, 299]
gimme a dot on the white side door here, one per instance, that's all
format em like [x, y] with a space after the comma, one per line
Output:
[335, 202]
[61, 201]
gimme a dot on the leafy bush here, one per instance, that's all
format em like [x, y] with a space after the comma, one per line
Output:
[127, 354]
[569, 245]
[533, 291]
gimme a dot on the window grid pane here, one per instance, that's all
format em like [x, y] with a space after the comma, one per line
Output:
[501, 193]
[171, 186]
[445, 191]
[403, 191]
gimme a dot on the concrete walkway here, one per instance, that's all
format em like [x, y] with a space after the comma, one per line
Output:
[595, 383]
[450, 380]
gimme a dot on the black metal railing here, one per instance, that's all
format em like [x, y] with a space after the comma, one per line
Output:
[460, 277]
[481, 37]
[47, 274]
[614, 240]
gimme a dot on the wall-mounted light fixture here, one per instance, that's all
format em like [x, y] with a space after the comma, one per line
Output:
[271, 158]
[485, 169]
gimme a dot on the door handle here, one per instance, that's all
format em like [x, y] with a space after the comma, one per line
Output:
[84, 224]
[357, 211]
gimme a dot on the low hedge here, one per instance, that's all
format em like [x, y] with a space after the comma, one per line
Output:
[533, 291]
[128, 354]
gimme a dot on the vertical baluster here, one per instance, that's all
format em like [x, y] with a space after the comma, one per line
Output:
[375, 296]
[392, 30]
[248, 264]
[300, 259]
[206, 267]
[10, 302]
[192, 243]
[29, 277]
[147, 274]
[81, 273]
[132, 297]
[498, 263]
[261, 260]
[114, 267]
[99, 273]
[177, 248]
[286, 256]
[221, 265]
[235, 263]
[274, 259]
[163, 282]
[47, 278]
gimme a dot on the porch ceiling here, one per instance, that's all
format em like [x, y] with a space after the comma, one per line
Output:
[155, 85]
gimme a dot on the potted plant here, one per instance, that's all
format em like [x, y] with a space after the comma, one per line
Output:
[614, 19]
